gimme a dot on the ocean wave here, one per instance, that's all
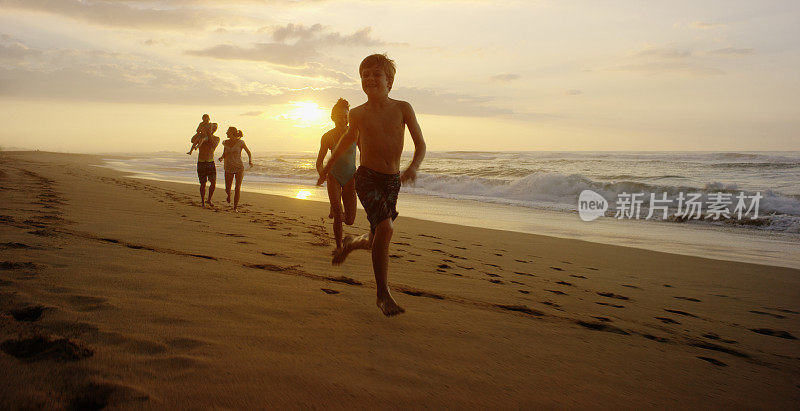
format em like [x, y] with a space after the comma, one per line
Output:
[555, 188]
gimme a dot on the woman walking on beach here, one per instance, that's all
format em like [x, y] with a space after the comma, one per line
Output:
[233, 162]
[341, 184]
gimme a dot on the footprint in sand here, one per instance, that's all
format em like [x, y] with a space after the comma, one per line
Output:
[100, 395]
[767, 314]
[655, 338]
[716, 362]
[346, 280]
[609, 304]
[557, 268]
[564, 283]
[556, 292]
[39, 348]
[329, 291]
[419, 293]
[688, 299]
[774, 333]
[595, 326]
[612, 295]
[715, 337]
[28, 314]
[577, 276]
[667, 320]
[683, 313]
[16, 265]
[715, 347]
[496, 281]
[520, 309]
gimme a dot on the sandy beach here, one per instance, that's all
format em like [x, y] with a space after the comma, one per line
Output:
[126, 293]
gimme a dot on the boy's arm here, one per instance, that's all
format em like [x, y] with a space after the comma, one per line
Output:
[347, 140]
[323, 150]
[410, 173]
[249, 155]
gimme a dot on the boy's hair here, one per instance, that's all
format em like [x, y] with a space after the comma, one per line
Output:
[384, 62]
[206, 117]
[341, 104]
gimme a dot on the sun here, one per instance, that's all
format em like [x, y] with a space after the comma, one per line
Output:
[306, 114]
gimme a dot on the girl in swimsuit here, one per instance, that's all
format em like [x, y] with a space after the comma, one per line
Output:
[341, 184]
[233, 162]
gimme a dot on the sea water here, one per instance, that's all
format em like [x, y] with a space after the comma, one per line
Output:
[537, 192]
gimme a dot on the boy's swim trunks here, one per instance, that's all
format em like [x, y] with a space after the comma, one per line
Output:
[378, 194]
[206, 170]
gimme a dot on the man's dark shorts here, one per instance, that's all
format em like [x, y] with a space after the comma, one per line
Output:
[378, 195]
[206, 171]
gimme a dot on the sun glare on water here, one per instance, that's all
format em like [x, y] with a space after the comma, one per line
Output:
[306, 114]
[303, 194]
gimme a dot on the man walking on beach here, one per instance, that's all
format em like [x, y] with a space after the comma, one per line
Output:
[206, 170]
[379, 127]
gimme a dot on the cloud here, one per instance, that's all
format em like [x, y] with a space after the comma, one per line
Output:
[732, 51]
[667, 67]
[13, 49]
[664, 53]
[665, 60]
[277, 53]
[317, 70]
[574, 92]
[706, 25]
[251, 114]
[129, 14]
[295, 50]
[505, 77]
[447, 104]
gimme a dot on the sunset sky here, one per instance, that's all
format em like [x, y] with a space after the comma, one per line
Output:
[136, 75]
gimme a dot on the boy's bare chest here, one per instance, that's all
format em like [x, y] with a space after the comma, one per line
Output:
[382, 124]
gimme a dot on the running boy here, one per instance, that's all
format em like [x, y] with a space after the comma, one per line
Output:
[341, 182]
[378, 126]
[203, 133]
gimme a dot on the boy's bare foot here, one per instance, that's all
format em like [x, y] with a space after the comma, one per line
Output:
[229, 198]
[210, 204]
[388, 305]
[341, 253]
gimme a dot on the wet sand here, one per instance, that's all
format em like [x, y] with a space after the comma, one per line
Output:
[123, 292]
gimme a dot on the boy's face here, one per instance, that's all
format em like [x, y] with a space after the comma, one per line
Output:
[374, 82]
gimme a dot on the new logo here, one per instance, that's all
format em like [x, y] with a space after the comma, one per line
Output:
[591, 205]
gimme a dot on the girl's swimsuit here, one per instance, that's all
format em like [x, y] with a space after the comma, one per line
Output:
[344, 168]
